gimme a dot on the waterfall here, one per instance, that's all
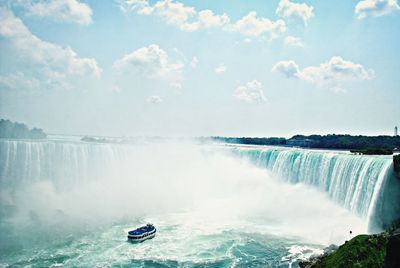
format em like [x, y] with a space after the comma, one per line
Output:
[58, 161]
[356, 182]
[363, 185]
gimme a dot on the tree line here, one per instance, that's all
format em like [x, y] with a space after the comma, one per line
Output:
[331, 141]
[14, 130]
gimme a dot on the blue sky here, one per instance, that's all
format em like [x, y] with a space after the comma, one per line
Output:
[189, 68]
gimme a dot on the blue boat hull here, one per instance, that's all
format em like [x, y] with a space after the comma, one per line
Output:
[138, 240]
[141, 234]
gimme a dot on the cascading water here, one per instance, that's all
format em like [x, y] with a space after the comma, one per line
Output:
[76, 200]
[26, 161]
[355, 182]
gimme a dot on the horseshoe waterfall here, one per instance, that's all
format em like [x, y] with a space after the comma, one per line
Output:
[69, 202]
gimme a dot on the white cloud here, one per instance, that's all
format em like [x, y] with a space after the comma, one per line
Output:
[288, 68]
[152, 61]
[220, 69]
[289, 9]
[337, 69]
[194, 62]
[188, 19]
[133, 5]
[293, 41]
[329, 74]
[251, 92]
[375, 8]
[250, 25]
[154, 99]
[19, 81]
[176, 13]
[51, 62]
[208, 19]
[173, 12]
[59, 10]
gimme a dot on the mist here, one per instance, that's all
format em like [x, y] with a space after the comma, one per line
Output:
[204, 188]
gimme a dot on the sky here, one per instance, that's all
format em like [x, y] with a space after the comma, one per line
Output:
[201, 68]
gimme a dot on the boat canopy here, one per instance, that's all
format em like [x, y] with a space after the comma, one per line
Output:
[142, 230]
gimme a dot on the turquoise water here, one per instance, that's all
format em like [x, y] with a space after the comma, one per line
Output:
[175, 245]
[70, 203]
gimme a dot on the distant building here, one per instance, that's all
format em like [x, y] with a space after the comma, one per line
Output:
[395, 132]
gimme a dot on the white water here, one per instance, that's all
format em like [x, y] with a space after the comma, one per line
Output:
[355, 182]
[205, 202]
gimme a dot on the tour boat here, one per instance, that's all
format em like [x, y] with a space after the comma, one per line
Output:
[142, 233]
